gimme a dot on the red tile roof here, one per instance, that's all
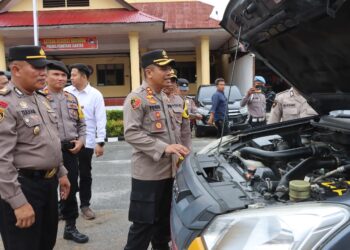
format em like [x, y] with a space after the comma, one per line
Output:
[181, 15]
[68, 17]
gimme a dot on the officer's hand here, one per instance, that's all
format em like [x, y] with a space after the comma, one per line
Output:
[199, 117]
[98, 150]
[251, 91]
[78, 145]
[177, 149]
[210, 121]
[64, 187]
[25, 216]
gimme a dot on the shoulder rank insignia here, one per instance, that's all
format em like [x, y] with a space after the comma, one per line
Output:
[41, 92]
[4, 91]
[274, 104]
[135, 102]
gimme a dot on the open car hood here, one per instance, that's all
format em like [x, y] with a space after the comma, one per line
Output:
[307, 42]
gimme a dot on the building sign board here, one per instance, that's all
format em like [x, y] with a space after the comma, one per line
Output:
[68, 43]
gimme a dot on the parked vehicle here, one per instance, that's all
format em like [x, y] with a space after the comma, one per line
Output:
[284, 185]
[237, 116]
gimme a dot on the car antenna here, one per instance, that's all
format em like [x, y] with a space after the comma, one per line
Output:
[229, 92]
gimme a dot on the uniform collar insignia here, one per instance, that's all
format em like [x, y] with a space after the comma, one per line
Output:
[18, 92]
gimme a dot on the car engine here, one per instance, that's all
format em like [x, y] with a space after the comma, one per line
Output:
[300, 162]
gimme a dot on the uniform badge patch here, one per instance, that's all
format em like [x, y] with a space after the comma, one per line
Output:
[159, 125]
[274, 104]
[135, 102]
[23, 105]
[2, 114]
[3, 104]
[152, 101]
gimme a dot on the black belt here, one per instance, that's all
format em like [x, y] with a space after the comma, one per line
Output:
[41, 174]
[65, 145]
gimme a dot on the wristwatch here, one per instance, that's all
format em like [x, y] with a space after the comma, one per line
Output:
[101, 144]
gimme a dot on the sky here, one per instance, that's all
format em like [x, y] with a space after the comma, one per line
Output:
[219, 8]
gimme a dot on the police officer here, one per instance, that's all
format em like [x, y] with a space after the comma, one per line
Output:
[148, 127]
[178, 109]
[72, 130]
[256, 102]
[30, 156]
[191, 106]
[289, 105]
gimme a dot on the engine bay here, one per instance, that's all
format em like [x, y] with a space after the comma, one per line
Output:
[301, 162]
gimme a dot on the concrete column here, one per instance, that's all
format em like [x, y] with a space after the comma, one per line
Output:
[198, 67]
[205, 60]
[2, 54]
[134, 60]
[142, 51]
[224, 65]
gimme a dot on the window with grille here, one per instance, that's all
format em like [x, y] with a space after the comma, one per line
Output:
[65, 3]
[110, 74]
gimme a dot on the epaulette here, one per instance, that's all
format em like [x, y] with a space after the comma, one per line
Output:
[41, 92]
[70, 96]
[283, 92]
[4, 91]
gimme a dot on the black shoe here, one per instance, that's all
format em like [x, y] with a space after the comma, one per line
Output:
[72, 233]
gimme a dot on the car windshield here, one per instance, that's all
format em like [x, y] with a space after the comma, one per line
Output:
[205, 93]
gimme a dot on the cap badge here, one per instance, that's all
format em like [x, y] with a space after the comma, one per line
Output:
[164, 54]
[42, 52]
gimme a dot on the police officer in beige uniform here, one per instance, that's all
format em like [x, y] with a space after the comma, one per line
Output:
[72, 131]
[148, 128]
[191, 106]
[256, 103]
[30, 156]
[178, 109]
[289, 105]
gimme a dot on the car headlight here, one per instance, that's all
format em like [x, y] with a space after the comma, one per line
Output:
[301, 226]
[243, 110]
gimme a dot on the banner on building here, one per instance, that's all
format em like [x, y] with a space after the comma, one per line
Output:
[69, 43]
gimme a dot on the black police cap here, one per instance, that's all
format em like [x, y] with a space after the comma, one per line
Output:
[82, 68]
[157, 57]
[34, 55]
[58, 65]
[182, 82]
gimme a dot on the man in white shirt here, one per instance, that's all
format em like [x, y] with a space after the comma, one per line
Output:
[92, 104]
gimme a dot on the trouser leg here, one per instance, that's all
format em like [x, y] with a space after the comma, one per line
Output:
[42, 234]
[69, 207]
[85, 178]
[139, 236]
[50, 217]
[161, 236]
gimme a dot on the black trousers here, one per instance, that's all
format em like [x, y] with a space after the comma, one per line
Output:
[85, 177]
[42, 196]
[150, 204]
[221, 125]
[69, 207]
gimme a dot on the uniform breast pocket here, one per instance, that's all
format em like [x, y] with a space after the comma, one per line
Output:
[53, 116]
[157, 122]
[290, 113]
[178, 114]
